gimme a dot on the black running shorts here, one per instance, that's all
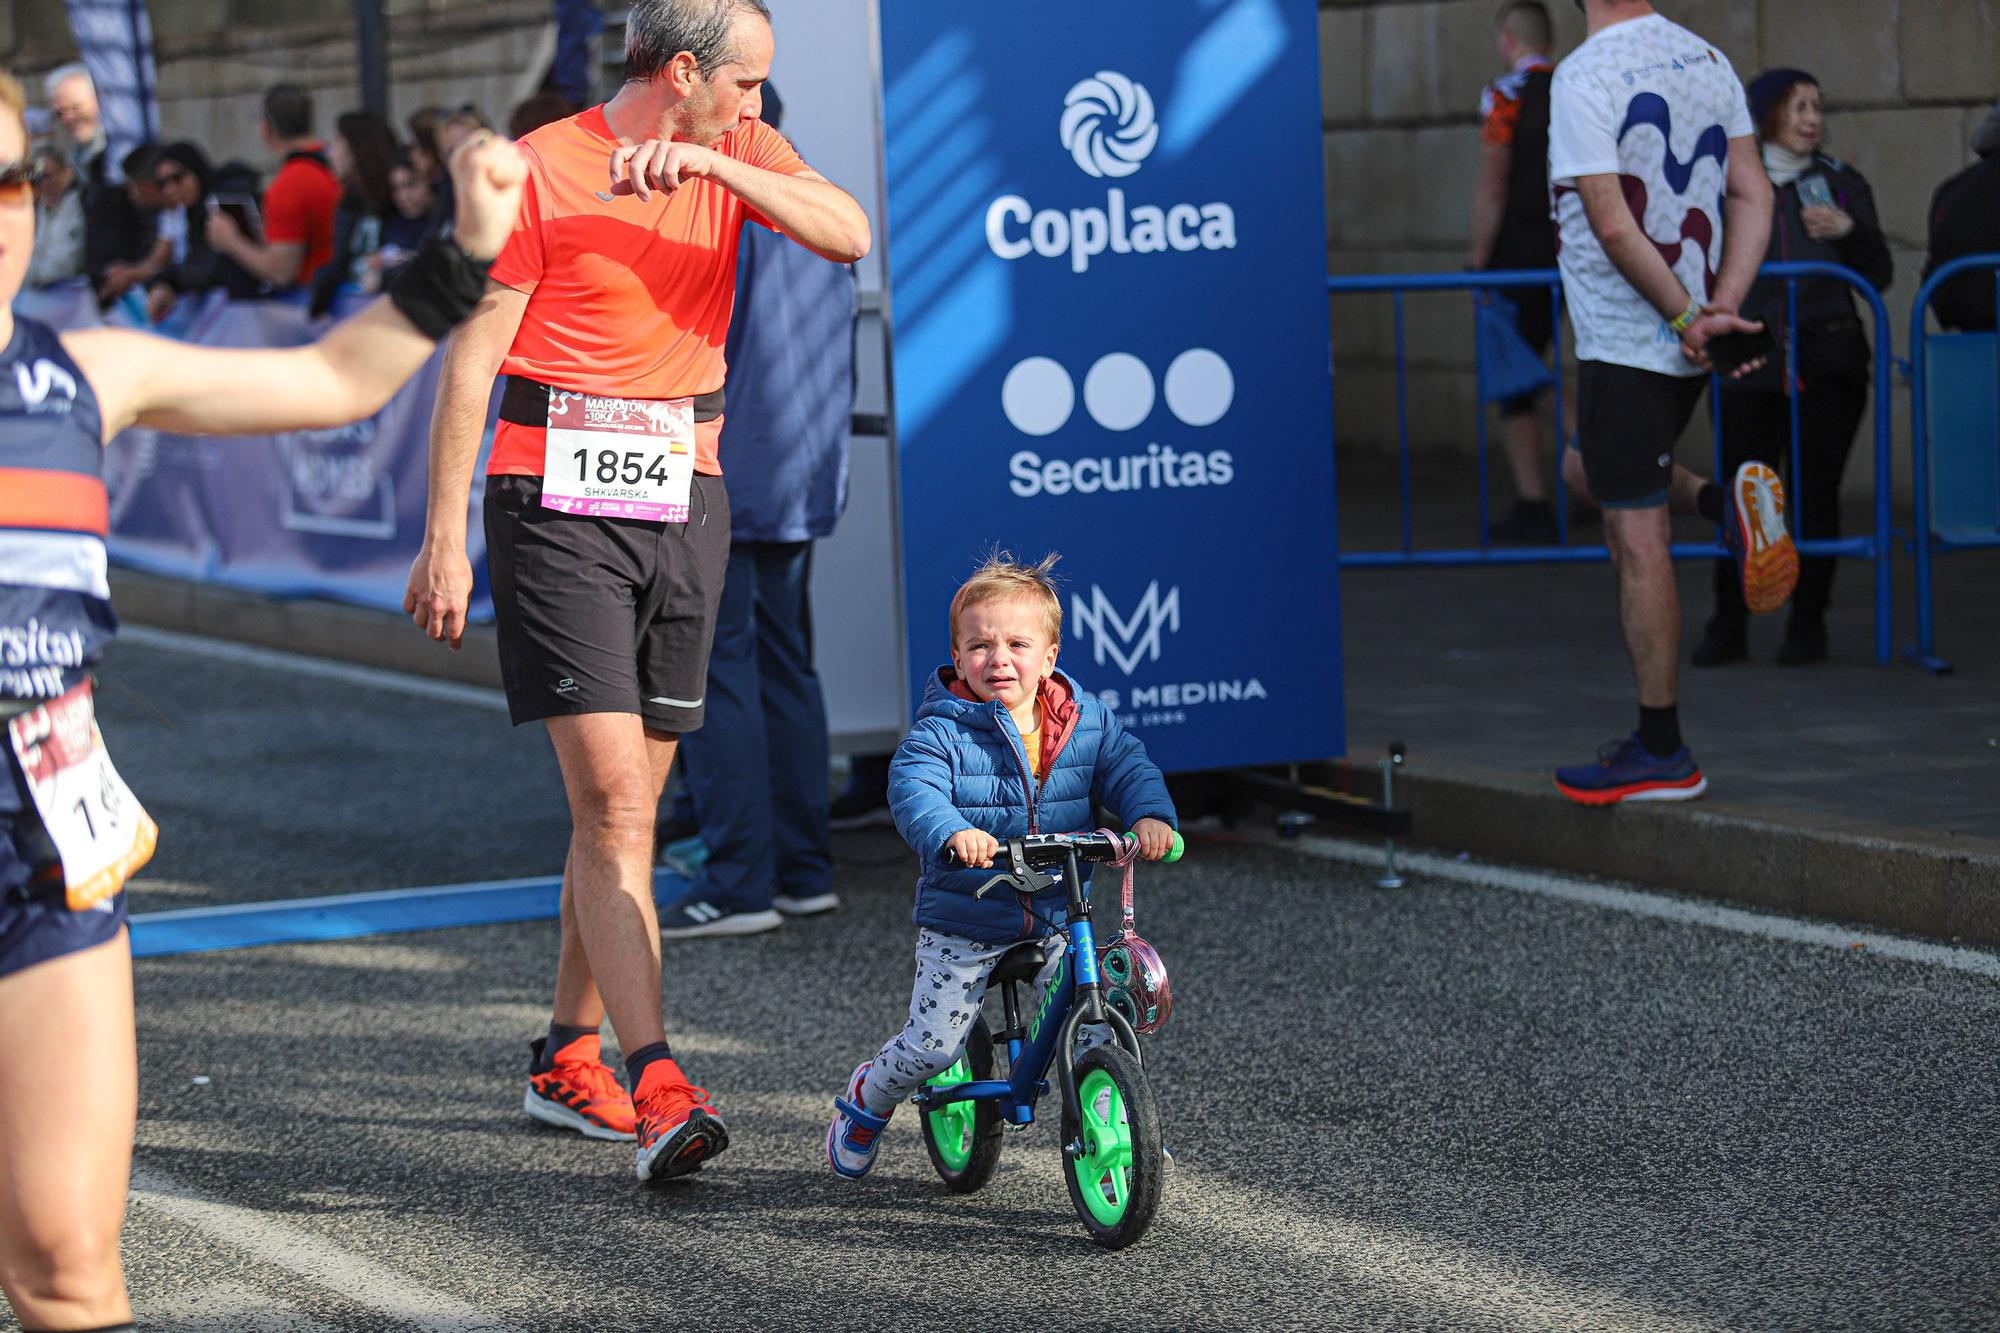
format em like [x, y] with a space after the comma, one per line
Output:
[1627, 421]
[602, 615]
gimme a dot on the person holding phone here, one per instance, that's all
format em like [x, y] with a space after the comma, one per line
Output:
[1826, 212]
[1664, 209]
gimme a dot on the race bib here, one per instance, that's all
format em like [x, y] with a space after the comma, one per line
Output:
[619, 457]
[98, 827]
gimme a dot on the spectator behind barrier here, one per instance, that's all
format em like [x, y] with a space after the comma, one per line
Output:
[1825, 212]
[415, 216]
[1965, 220]
[58, 255]
[757, 770]
[1511, 230]
[428, 159]
[185, 180]
[364, 155]
[73, 101]
[298, 209]
[122, 238]
[544, 108]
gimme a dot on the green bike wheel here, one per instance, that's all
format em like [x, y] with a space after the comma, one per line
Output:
[963, 1138]
[1114, 1180]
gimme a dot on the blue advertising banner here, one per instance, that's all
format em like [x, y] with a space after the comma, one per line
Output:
[1106, 272]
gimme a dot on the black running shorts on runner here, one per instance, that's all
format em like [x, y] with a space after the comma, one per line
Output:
[1627, 421]
[603, 615]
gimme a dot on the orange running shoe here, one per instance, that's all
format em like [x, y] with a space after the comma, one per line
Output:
[677, 1130]
[579, 1091]
[1753, 527]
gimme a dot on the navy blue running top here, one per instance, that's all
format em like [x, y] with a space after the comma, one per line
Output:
[55, 603]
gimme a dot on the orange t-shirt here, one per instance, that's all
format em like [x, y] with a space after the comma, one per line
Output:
[626, 298]
[299, 204]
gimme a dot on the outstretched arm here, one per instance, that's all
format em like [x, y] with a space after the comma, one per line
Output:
[347, 374]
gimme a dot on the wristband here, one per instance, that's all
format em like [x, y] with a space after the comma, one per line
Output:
[1684, 321]
[440, 287]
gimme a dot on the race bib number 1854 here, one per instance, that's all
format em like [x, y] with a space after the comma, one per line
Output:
[97, 825]
[619, 457]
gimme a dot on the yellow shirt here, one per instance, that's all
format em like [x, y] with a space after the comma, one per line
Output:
[1031, 742]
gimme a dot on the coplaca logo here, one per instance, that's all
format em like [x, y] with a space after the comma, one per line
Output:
[1108, 124]
[1109, 128]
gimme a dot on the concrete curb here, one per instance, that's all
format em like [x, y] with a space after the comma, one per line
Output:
[1925, 883]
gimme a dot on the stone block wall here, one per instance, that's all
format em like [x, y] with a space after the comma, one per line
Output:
[1905, 83]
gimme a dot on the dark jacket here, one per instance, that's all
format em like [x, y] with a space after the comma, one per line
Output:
[203, 268]
[1965, 220]
[1833, 340]
[963, 766]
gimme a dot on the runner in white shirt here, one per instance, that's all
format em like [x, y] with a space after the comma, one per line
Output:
[1664, 210]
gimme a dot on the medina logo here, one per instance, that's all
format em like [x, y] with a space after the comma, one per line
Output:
[1128, 642]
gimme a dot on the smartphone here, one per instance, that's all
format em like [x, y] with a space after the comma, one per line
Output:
[1814, 192]
[242, 209]
[1730, 352]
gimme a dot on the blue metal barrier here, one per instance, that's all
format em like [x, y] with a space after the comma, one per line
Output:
[1927, 540]
[1874, 547]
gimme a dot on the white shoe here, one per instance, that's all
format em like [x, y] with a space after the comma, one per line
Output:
[807, 906]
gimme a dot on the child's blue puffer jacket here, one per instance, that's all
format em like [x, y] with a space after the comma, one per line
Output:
[963, 766]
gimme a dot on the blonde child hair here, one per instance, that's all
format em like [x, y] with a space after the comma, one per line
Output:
[1000, 576]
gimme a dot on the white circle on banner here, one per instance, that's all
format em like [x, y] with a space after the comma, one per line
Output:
[1038, 396]
[1118, 391]
[1200, 387]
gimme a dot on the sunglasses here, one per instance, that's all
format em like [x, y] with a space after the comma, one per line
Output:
[18, 180]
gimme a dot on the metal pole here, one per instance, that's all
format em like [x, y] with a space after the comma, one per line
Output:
[372, 37]
[1389, 764]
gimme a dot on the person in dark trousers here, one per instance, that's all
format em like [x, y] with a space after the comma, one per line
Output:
[757, 770]
[1825, 212]
[1511, 229]
[1965, 220]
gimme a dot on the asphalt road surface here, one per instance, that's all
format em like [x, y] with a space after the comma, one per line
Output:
[1485, 1100]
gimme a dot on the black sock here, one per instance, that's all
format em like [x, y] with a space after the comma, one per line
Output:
[1708, 501]
[561, 1035]
[1660, 729]
[635, 1063]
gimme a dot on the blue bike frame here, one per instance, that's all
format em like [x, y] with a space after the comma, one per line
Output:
[1051, 1032]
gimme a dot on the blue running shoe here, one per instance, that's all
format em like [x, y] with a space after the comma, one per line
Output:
[855, 1134]
[1627, 771]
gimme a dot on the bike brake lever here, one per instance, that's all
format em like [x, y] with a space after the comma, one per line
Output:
[1028, 881]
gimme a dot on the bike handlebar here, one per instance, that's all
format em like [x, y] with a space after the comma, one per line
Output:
[1047, 850]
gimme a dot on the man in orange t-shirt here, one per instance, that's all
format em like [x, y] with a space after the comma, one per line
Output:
[606, 523]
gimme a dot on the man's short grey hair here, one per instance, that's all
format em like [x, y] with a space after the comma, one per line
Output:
[62, 74]
[658, 30]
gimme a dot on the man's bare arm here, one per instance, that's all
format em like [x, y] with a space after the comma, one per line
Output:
[472, 358]
[807, 207]
[277, 263]
[1628, 247]
[1746, 224]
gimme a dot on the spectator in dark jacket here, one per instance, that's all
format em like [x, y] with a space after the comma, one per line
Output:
[186, 182]
[1825, 212]
[364, 155]
[123, 248]
[1965, 220]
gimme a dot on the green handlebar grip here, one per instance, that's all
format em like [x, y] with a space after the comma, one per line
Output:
[1179, 848]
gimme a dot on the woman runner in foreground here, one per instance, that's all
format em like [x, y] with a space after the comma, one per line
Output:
[70, 833]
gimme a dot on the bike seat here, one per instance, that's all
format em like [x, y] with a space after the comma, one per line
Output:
[1025, 961]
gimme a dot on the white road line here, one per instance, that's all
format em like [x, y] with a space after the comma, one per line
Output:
[282, 1245]
[1642, 903]
[444, 691]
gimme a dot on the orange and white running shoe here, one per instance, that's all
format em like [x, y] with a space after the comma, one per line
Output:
[677, 1129]
[579, 1091]
[1753, 527]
